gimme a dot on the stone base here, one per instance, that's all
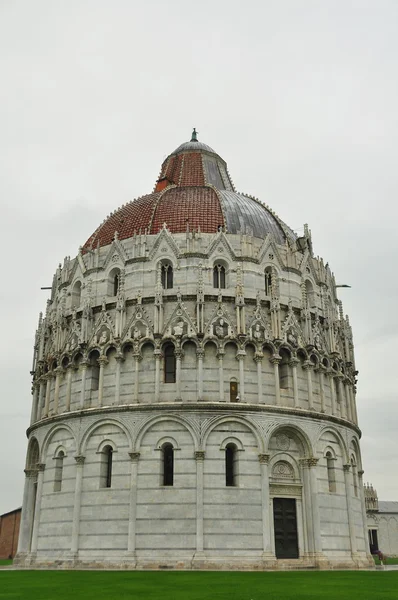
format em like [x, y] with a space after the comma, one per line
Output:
[199, 561]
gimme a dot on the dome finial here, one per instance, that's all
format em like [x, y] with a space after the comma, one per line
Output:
[194, 137]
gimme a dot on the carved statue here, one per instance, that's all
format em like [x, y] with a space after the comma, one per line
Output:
[292, 338]
[257, 333]
[137, 333]
[102, 339]
[179, 328]
[219, 329]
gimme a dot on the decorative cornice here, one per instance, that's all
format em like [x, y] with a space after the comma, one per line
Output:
[266, 409]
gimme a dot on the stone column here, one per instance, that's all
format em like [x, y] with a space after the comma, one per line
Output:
[137, 358]
[36, 522]
[363, 508]
[330, 375]
[307, 505]
[68, 387]
[346, 394]
[28, 511]
[77, 503]
[307, 366]
[342, 397]
[275, 360]
[293, 364]
[353, 403]
[199, 457]
[48, 378]
[258, 358]
[321, 369]
[312, 464]
[158, 356]
[178, 355]
[265, 507]
[199, 355]
[119, 358]
[102, 361]
[58, 373]
[241, 391]
[84, 364]
[35, 403]
[40, 409]
[133, 503]
[351, 521]
[220, 356]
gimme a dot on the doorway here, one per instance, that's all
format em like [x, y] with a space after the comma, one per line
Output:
[285, 528]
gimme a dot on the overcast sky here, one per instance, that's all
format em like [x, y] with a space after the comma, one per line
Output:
[299, 97]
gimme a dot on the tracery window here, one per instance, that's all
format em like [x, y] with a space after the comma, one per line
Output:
[219, 277]
[167, 276]
[106, 467]
[168, 464]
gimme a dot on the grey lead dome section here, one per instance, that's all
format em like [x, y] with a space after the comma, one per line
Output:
[245, 215]
[189, 146]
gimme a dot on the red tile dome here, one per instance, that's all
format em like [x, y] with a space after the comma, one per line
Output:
[194, 191]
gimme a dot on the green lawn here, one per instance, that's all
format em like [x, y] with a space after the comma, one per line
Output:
[155, 585]
[390, 560]
[5, 561]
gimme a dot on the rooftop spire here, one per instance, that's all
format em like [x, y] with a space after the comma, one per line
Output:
[194, 137]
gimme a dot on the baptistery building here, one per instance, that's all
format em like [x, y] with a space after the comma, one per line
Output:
[193, 399]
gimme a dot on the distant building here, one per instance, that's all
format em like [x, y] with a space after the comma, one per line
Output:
[9, 532]
[382, 521]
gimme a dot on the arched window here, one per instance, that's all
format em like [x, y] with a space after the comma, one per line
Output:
[331, 472]
[116, 279]
[167, 276]
[354, 476]
[59, 466]
[233, 390]
[113, 282]
[309, 288]
[168, 464]
[219, 277]
[231, 464]
[95, 370]
[169, 364]
[106, 467]
[76, 294]
[268, 281]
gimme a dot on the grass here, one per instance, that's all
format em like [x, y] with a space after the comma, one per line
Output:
[5, 561]
[391, 560]
[105, 585]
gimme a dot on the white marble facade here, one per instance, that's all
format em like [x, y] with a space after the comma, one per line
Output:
[263, 363]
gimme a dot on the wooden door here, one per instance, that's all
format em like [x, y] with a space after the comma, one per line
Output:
[285, 527]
